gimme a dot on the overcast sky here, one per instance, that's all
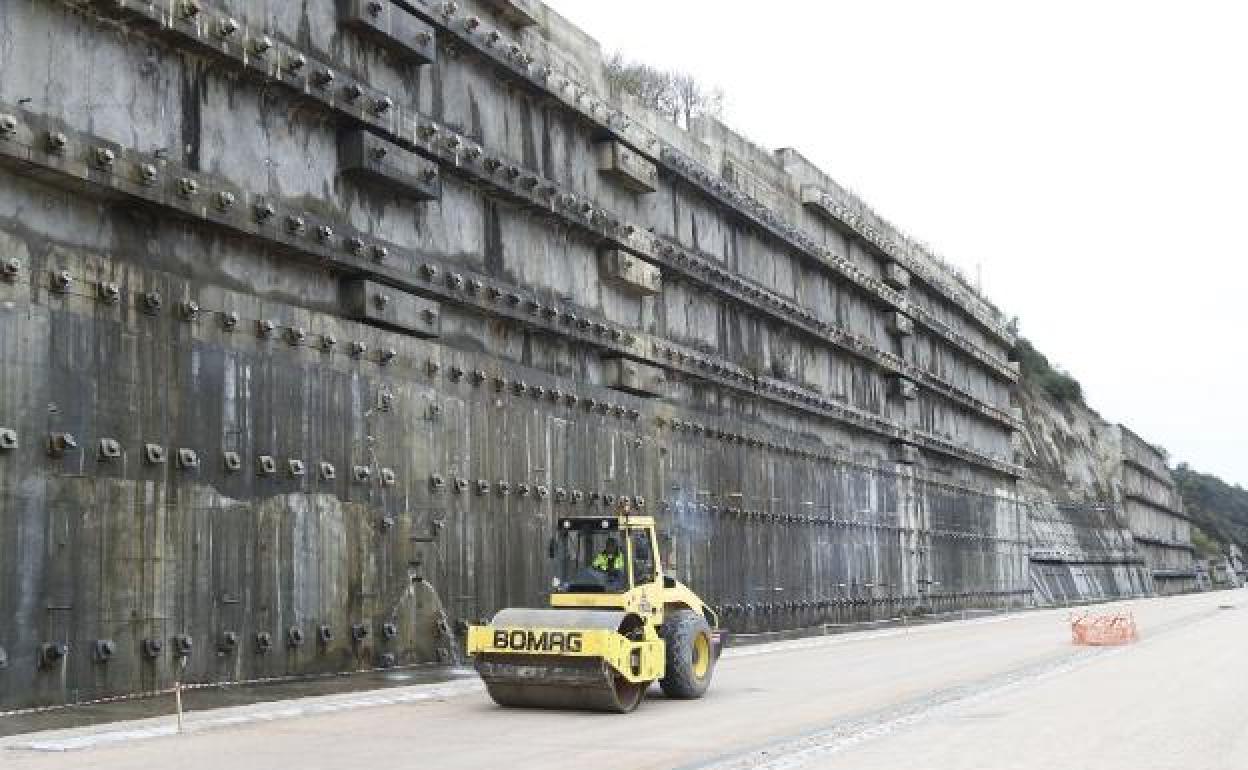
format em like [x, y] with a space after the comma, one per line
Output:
[1090, 158]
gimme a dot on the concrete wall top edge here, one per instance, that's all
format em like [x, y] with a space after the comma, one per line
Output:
[1152, 459]
[715, 144]
[1141, 443]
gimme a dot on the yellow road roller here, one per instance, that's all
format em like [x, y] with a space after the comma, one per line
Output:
[615, 625]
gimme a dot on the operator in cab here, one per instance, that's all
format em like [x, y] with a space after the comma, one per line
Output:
[610, 561]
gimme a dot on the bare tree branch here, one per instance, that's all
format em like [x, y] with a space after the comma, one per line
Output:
[676, 95]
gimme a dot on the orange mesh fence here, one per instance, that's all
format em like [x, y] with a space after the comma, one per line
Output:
[1100, 630]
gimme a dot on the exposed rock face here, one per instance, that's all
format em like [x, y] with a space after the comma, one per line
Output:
[1081, 545]
[1105, 519]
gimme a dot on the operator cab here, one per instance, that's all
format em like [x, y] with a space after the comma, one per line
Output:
[598, 555]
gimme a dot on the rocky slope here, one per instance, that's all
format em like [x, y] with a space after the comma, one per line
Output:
[1081, 546]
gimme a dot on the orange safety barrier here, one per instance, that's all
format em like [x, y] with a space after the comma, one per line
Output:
[1102, 630]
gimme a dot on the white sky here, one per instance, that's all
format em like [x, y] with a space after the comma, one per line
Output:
[1090, 157]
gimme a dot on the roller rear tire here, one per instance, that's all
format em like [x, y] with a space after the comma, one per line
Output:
[690, 662]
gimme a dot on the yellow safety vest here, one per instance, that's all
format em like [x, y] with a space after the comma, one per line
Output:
[605, 562]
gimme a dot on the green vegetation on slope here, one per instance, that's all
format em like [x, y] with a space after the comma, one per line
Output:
[1037, 370]
[1217, 507]
[1206, 547]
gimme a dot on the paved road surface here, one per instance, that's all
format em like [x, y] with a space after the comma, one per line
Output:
[1000, 693]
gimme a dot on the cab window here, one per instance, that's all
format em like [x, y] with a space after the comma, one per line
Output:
[590, 559]
[643, 558]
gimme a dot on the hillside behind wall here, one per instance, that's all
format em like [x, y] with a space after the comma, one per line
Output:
[1082, 548]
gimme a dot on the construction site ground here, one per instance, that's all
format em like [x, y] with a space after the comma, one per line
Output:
[1002, 692]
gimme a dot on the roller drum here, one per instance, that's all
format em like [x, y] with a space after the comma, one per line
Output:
[551, 681]
[537, 681]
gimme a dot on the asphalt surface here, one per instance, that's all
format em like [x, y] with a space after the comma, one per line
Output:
[1004, 692]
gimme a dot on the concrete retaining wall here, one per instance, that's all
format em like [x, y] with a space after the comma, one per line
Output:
[312, 323]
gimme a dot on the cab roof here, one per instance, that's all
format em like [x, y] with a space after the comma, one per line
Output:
[607, 522]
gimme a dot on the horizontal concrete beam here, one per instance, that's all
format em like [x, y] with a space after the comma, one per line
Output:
[1147, 471]
[515, 61]
[201, 197]
[508, 178]
[896, 247]
[1151, 503]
